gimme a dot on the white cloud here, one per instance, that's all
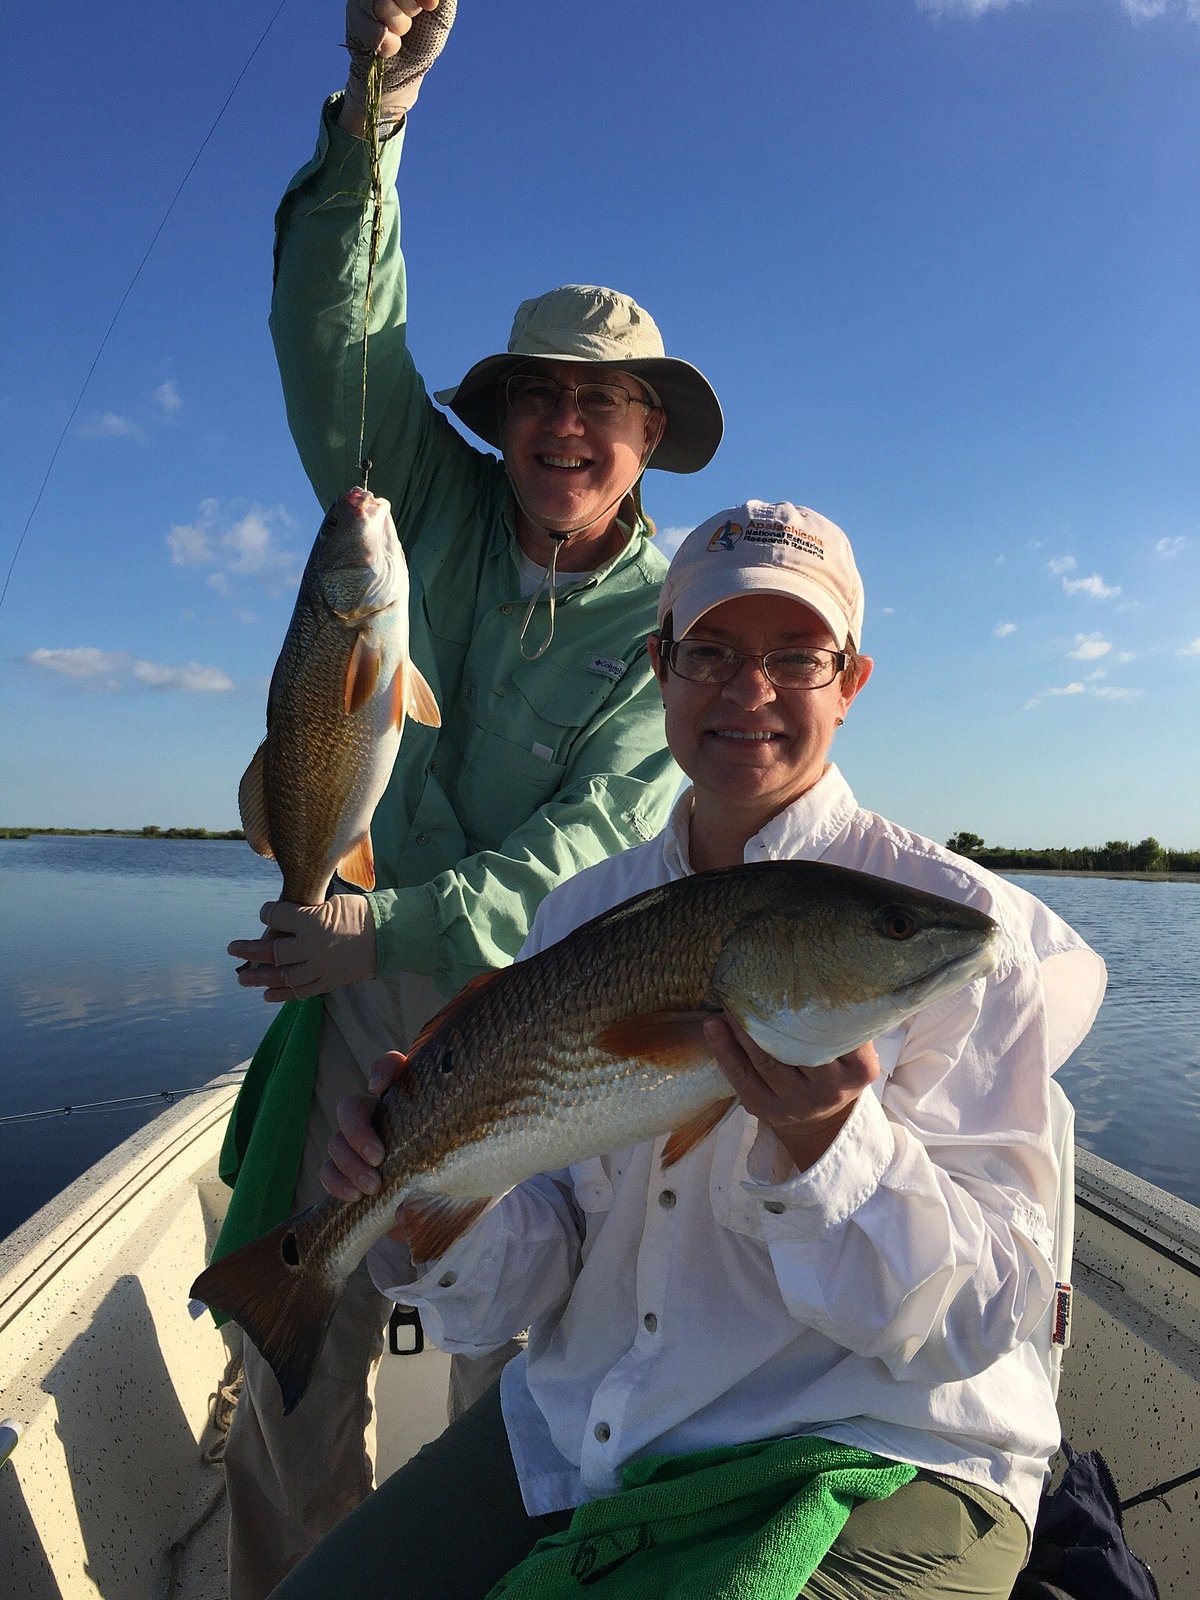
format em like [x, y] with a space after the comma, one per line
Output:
[1089, 647]
[961, 8]
[1108, 692]
[669, 540]
[168, 398]
[1069, 688]
[1094, 587]
[110, 425]
[1123, 657]
[1003, 629]
[114, 670]
[192, 678]
[1168, 548]
[1136, 10]
[1192, 649]
[1061, 564]
[249, 546]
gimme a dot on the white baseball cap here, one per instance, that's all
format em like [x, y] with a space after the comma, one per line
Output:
[765, 548]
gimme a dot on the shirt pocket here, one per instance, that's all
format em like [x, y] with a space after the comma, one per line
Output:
[518, 752]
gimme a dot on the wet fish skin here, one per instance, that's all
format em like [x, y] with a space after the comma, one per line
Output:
[597, 1043]
[339, 694]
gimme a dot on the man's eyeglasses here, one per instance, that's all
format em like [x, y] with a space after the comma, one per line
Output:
[530, 394]
[790, 667]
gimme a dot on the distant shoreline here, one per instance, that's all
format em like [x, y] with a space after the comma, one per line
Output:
[1096, 872]
[119, 833]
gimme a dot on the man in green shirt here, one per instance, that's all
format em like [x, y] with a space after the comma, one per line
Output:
[533, 587]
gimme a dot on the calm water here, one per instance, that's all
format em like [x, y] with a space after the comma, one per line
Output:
[114, 982]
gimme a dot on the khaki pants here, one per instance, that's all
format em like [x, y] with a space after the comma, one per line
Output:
[291, 1479]
[450, 1524]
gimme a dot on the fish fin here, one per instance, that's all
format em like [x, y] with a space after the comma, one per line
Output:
[357, 866]
[662, 1038]
[362, 674]
[252, 804]
[415, 698]
[692, 1133]
[434, 1222]
[467, 992]
[281, 1304]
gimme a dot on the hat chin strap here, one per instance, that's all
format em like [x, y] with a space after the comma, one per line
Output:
[559, 537]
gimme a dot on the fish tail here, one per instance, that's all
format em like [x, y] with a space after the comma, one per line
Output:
[282, 1304]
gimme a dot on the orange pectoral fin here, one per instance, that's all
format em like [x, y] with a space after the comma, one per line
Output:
[362, 674]
[418, 699]
[357, 866]
[434, 1223]
[660, 1038]
[692, 1133]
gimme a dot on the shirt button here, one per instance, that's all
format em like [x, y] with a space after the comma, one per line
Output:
[602, 1432]
[422, 838]
[667, 1199]
[775, 1207]
[650, 1322]
[447, 1279]
[505, 609]
[467, 691]
[433, 766]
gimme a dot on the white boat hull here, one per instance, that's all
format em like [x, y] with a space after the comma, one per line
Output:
[110, 1491]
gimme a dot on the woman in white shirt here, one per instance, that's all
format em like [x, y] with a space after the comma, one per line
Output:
[860, 1252]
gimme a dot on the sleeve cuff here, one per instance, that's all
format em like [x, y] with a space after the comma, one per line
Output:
[406, 930]
[809, 1203]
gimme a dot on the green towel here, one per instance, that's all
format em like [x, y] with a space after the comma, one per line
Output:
[748, 1522]
[260, 1158]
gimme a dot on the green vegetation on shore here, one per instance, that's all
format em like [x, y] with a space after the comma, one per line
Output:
[1118, 855]
[148, 832]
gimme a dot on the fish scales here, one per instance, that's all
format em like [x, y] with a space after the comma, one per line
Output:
[597, 1043]
[341, 688]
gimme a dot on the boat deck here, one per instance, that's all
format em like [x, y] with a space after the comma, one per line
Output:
[115, 1488]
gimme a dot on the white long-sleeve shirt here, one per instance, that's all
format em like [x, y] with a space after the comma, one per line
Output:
[884, 1297]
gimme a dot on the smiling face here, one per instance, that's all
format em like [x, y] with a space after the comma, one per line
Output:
[749, 748]
[572, 474]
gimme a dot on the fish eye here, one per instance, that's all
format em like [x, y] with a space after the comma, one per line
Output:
[896, 922]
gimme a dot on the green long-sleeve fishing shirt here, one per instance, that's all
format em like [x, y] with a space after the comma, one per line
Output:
[540, 767]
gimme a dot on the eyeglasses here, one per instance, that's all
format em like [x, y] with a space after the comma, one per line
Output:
[530, 394]
[790, 667]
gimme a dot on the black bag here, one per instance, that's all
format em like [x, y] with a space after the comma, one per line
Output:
[1079, 1550]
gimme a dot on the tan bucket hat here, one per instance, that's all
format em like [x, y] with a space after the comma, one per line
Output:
[580, 324]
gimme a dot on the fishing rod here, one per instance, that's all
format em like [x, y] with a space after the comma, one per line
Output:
[160, 1096]
[54, 454]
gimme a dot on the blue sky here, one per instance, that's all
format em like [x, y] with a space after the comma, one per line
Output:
[940, 261]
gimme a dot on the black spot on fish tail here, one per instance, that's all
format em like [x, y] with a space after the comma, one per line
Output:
[282, 1304]
[446, 1064]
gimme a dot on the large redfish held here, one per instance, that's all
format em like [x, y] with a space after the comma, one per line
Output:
[597, 1043]
[341, 689]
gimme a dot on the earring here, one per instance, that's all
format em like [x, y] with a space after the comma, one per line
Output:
[841, 722]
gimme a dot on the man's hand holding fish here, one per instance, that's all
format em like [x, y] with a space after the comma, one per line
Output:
[309, 950]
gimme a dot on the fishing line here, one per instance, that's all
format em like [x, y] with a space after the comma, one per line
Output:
[161, 1096]
[374, 99]
[128, 291]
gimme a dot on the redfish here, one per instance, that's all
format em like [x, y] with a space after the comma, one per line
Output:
[597, 1043]
[342, 687]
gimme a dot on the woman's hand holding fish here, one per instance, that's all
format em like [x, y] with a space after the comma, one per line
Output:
[805, 1107]
[356, 1150]
[309, 949]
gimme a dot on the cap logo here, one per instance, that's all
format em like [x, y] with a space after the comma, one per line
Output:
[770, 530]
[726, 536]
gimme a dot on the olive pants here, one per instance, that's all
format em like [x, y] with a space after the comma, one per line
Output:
[451, 1523]
[291, 1479]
